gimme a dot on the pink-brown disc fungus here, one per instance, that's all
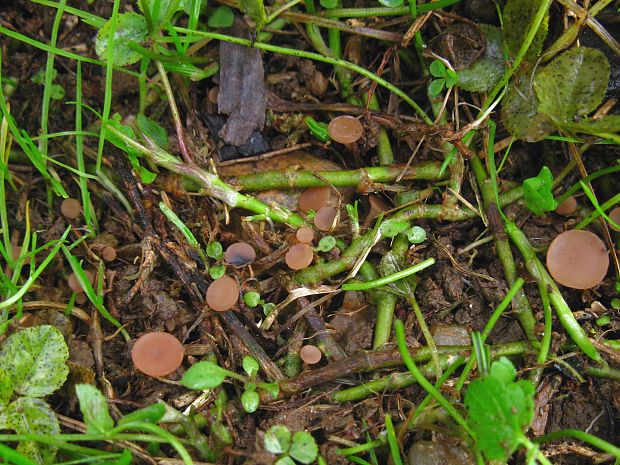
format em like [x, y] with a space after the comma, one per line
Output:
[305, 235]
[345, 129]
[310, 354]
[71, 208]
[577, 259]
[240, 254]
[108, 253]
[567, 207]
[74, 283]
[325, 218]
[614, 215]
[157, 354]
[313, 198]
[299, 256]
[223, 294]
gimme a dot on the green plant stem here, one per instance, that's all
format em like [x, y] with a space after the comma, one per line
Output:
[597, 212]
[363, 286]
[386, 11]
[399, 329]
[14, 457]
[497, 313]
[362, 178]
[542, 277]
[212, 185]
[582, 436]
[385, 302]
[317, 57]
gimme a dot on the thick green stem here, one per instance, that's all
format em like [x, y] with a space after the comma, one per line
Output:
[385, 302]
[363, 178]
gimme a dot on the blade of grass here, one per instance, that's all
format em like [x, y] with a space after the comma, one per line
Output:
[89, 217]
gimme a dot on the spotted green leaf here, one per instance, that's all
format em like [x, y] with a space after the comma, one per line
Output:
[277, 439]
[29, 415]
[130, 27]
[6, 388]
[303, 447]
[34, 360]
[487, 70]
[94, 409]
[518, 18]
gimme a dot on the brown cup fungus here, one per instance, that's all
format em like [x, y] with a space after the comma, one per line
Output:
[325, 218]
[108, 253]
[240, 254]
[157, 354]
[310, 354]
[305, 235]
[71, 208]
[345, 129]
[377, 206]
[567, 207]
[614, 215]
[223, 294]
[577, 259]
[313, 198]
[299, 256]
[74, 283]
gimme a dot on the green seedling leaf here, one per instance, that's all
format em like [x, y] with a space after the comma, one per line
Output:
[435, 87]
[94, 409]
[286, 460]
[217, 271]
[326, 244]
[215, 250]
[317, 129]
[392, 227]
[34, 360]
[518, 18]
[329, 4]
[255, 9]
[499, 409]
[130, 27]
[277, 439]
[451, 78]
[437, 69]
[268, 308]
[391, 3]
[204, 375]
[221, 432]
[151, 414]
[251, 299]
[250, 366]
[520, 112]
[159, 11]
[537, 192]
[486, 71]
[250, 400]
[303, 447]
[58, 92]
[6, 388]
[222, 16]
[29, 415]
[416, 234]
[152, 130]
[271, 388]
[573, 84]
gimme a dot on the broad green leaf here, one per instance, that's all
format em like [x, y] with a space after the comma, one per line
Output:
[437, 69]
[29, 415]
[537, 192]
[435, 87]
[303, 447]
[499, 410]
[392, 227]
[573, 84]
[518, 18]
[204, 375]
[152, 130]
[277, 439]
[34, 360]
[222, 16]
[416, 234]
[487, 70]
[391, 3]
[215, 250]
[250, 400]
[520, 112]
[130, 27]
[94, 409]
[250, 366]
[6, 388]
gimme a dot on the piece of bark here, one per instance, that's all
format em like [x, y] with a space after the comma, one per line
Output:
[242, 88]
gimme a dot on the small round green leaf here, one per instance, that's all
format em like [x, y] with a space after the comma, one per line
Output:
[250, 401]
[222, 16]
[326, 244]
[277, 439]
[204, 375]
[130, 27]
[34, 360]
[250, 366]
[303, 447]
[217, 271]
[437, 69]
[393, 227]
[251, 299]
[215, 250]
[416, 234]
[435, 87]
